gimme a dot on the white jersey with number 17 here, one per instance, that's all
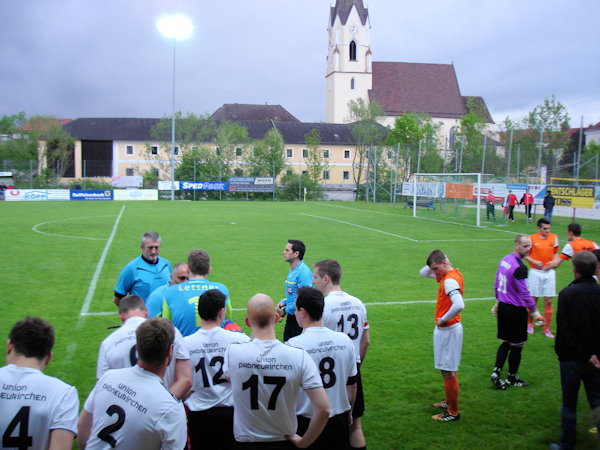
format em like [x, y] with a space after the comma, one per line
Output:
[345, 313]
[32, 405]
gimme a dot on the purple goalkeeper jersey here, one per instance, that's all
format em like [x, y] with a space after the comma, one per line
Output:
[511, 282]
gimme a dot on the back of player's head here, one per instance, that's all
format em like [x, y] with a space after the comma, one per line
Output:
[131, 303]
[210, 303]
[574, 228]
[298, 246]
[199, 262]
[585, 263]
[542, 221]
[154, 338]
[261, 311]
[312, 301]
[436, 257]
[152, 236]
[32, 337]
[331, 268]
[596, 253]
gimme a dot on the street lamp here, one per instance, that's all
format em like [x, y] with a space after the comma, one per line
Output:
[176, 27]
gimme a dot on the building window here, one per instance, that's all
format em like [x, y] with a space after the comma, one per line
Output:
[155, 172]
[289, 172]
[129, 172]
[325, 153]
[176, 151]
[352, 84]
[238, 172]
[326, 174]
[390, 154]
[129, 150]
[305, 172]
[305, 153]
[346, 154]
[154, 150]
[346, 175]
[217, 151]
[239, 151]
[289, 152]
[353, 51]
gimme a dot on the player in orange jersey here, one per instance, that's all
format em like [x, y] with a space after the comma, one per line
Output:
[448, 332]
[542, 283]
[576, 244]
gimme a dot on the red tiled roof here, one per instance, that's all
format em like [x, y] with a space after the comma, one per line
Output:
[237, 111]
[414, 87]
[43, 123]
[593, 127]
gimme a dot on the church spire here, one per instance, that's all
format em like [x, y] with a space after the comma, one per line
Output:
[342, 10]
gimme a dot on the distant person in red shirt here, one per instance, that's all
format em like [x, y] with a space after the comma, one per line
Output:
[527, 200]
[511, 201]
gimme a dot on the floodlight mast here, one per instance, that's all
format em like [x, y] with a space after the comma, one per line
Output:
[176, 27]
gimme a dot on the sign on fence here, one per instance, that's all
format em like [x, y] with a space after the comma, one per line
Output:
[251, 184]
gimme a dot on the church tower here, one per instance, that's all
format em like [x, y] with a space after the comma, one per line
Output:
[349, 74]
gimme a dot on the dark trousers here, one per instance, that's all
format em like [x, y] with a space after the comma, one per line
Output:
[211, 429]
[572, 373]
[511, 209]
[291, 327]
[335, 436]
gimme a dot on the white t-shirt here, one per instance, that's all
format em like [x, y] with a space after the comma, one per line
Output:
[38, 403]
[266, 377]
[333, 353]
[207, 350]
[118, 350]
[132, 409]
[345, 313]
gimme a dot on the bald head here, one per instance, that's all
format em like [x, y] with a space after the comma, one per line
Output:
[261, 311]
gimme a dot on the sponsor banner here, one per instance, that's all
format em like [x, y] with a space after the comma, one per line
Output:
[135, 181]
[573, 196]
[458, 190]
[498, 190]
[251, 184]
[92, 194]
[27, 195]
[166, 185]
[204, 185]
[135, 194]
[425, 189]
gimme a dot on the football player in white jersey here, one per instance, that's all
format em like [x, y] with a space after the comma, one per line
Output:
[37, 411]
[118, 350]
[131, 408]
[347, 314]
[266, 377]
[333, 353]
[210, 417]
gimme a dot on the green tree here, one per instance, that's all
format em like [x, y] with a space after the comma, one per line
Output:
[410, 129]
[551, 120]
[470, 136]
[590, 159]
[267, 158]
[315, 163]
[368, 133]
[20, 144]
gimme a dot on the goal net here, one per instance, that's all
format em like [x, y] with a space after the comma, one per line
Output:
[449, 197]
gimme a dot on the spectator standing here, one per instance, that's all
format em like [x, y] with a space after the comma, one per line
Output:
[548, 205]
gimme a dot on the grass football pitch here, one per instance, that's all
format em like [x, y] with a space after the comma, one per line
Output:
[60, 261]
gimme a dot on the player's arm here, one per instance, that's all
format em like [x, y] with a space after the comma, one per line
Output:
[84, 427]
[61, 440]
[363, 346]
[426, 272]
[319, 419]
[351, 392]
[183, 377]
[538, 264]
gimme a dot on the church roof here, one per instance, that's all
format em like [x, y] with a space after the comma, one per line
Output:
[237, 111]
[342, 9]
[402, 87]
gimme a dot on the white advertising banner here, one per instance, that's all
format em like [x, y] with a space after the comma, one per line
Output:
[32, 195]
[135, 194]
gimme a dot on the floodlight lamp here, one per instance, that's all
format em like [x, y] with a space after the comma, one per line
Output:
[176, 26]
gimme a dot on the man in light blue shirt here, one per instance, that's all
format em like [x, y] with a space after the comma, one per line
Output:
[146, 272]
[298, 276]
[155, 300]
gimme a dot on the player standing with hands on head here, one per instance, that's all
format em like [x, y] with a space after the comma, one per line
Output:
[513, 301]
[298, 276]
[448, 332]
[37, 411]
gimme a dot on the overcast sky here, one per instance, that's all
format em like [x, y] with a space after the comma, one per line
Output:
[105, 58]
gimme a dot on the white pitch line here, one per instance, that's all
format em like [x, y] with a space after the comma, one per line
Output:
[360, 226]
[35, 228]
[90, 294]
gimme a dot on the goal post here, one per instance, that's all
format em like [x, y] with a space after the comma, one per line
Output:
[448, 197]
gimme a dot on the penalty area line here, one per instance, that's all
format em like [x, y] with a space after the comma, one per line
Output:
[92, 288]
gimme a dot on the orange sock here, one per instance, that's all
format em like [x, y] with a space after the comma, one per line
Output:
[451, 388]
[547, 316]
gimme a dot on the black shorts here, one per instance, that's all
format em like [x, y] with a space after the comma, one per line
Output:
[359, 403]
[277, 445]
[211, 428]
[512, 323]
[335, 436]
